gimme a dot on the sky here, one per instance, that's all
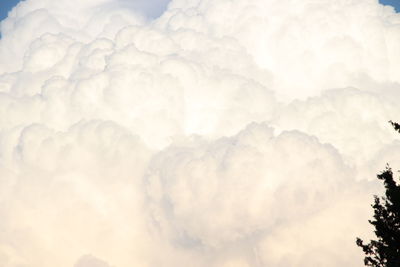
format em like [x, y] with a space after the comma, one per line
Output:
[204, 133]
[5, 6]
[394, 3]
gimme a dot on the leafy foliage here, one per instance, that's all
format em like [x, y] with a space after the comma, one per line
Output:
[395, 125]
[385, 250]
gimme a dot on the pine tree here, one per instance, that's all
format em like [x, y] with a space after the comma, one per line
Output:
[385, 250]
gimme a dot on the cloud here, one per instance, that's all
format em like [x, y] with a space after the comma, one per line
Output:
[151, 9]
[308, 46]
[239, 187]
[90, 261]
[211, 133]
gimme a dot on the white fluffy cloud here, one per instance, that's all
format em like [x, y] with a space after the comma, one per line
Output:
[235, 187]
[221, 133]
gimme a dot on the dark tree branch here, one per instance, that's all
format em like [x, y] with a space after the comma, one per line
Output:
[385, 250]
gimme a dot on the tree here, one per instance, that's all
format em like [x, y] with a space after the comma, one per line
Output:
[385, 250]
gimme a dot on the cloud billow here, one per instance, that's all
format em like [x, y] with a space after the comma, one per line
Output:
[211, 133]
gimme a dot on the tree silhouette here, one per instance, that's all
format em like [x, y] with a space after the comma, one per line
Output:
[395, 125]
[385, 250]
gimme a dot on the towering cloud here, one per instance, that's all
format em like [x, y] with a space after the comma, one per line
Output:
[202, 133]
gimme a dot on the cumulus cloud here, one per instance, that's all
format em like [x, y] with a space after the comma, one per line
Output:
[90, 261]
[309, 46]
[193, 132]
[236, 187]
